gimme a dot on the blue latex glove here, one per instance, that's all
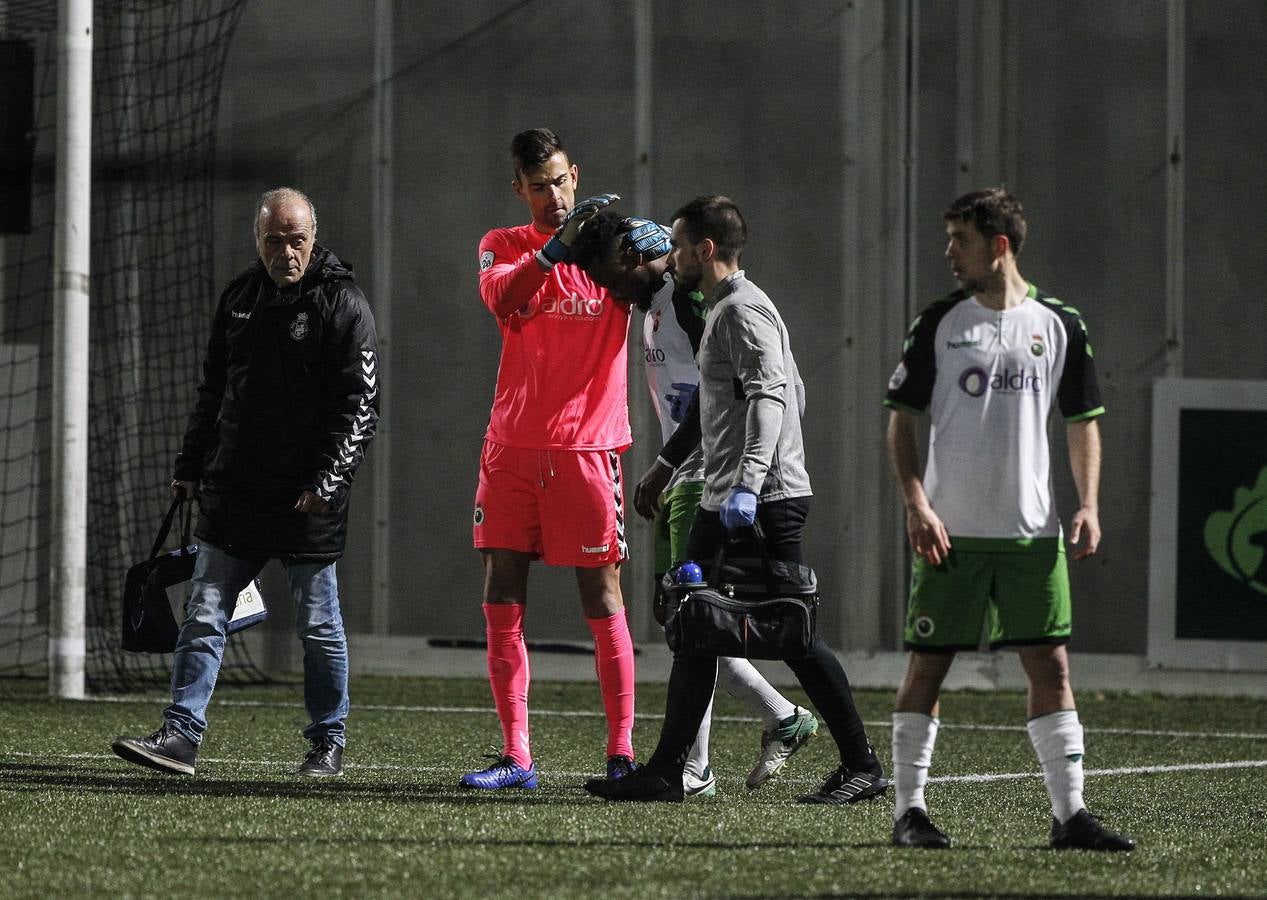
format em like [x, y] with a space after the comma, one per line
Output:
[648, 239]
[559, 248]
[739, 509]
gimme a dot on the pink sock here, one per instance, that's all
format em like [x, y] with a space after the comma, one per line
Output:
[508, 676]
[614, 662]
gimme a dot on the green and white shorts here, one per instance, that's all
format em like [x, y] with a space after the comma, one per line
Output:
[1017, 589]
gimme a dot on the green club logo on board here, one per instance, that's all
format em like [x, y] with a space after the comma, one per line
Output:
[1237, 538]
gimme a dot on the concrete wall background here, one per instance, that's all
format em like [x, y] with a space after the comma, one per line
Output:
[799, 111]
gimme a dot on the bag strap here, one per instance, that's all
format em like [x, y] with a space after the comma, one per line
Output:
[771, 581]
[186, 531]
[761, 547]
[718, 559]
[161, 541]
[767, 568]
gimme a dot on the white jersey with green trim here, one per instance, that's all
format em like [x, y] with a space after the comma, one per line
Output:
[990, 379]
[672, 374]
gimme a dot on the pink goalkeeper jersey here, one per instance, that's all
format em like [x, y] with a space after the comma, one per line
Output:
[561, 382]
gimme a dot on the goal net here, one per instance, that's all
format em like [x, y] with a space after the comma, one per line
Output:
[157, 69]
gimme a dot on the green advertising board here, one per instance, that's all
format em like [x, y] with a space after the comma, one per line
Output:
[1221, 585]
[1208, 571]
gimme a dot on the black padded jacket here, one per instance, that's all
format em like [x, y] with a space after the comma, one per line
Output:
[288, 402]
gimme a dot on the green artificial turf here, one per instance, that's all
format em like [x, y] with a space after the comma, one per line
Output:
[76, 821]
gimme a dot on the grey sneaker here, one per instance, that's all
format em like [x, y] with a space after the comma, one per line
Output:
[166, 750]
[705, 786]
[777, 746]
[324, 760]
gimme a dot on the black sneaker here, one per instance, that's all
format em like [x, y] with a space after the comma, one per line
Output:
[323, 760]
[914, 829]
[845, 786]
[639, 785]
[1085, 832]
[166, 750]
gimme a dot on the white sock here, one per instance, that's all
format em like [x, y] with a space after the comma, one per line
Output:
[1057, 739]
[697, 759]
[743, 681]
[914, 735]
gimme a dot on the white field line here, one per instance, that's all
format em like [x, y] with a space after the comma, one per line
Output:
[289, 765]
[598, 714]
[1133, 770]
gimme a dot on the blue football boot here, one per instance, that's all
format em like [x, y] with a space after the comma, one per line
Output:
[502, 774]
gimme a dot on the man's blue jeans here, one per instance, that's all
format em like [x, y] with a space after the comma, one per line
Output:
[218, 579]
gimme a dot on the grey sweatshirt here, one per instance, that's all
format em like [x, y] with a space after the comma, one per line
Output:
[751, 398]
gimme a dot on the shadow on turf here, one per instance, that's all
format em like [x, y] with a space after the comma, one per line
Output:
[18, 777]
[21, 777]
[136, 781]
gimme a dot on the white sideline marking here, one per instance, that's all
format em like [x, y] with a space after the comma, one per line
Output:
[1140, 732]
[594, 714]
[1133, 770]
[940, 779]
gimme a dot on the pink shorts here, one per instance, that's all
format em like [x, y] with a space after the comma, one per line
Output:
[566, 507]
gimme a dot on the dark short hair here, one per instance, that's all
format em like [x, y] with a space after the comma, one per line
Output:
[530, 149]
[600, 239]
[994, 211]
[717, 218]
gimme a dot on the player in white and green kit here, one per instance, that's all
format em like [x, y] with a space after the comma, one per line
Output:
[988, 364]
[628, 257]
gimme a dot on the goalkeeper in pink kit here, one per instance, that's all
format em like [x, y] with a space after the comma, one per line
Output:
[550, 477]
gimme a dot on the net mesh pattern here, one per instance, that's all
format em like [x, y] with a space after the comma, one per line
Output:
[157, 69]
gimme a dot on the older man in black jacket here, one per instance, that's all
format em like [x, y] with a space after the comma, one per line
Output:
[287, 406]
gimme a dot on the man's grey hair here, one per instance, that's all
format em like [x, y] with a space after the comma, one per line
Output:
[277, 194]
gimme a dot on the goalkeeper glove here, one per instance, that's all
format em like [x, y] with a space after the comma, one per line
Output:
[646, 238]
[559, 247]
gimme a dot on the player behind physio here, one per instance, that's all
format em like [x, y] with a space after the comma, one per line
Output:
[629, 257]
[988, 364]
[549, 476]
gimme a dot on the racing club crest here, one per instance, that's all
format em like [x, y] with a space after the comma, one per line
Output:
[299, 327]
